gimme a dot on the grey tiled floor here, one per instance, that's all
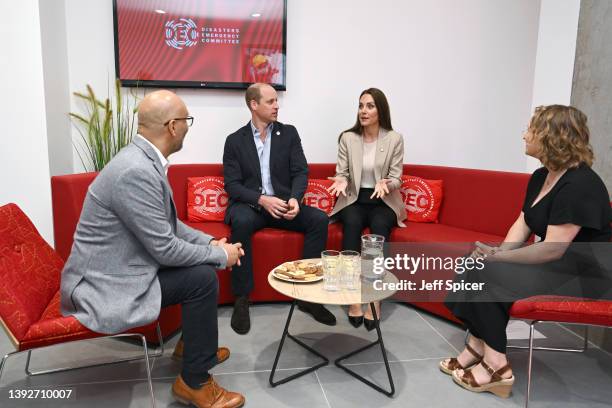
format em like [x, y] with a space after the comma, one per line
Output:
[415, 342]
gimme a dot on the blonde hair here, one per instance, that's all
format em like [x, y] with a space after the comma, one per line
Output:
[563, 136]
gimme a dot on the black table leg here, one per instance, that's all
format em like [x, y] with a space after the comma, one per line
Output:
[299, 342]
[384, 354]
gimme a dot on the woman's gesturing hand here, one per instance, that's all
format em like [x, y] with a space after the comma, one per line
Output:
[338, 187]
[381, 189]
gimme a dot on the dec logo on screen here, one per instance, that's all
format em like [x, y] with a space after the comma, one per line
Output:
[181, 33]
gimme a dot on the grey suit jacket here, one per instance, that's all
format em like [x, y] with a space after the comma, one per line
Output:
[388, 163]
[128, 228]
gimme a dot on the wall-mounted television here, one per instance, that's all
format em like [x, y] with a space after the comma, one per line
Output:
[200, 43]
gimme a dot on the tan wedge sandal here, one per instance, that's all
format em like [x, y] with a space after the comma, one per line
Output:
[502, 387]
[447, 366]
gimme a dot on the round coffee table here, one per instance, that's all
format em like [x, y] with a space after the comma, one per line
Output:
[313, 292]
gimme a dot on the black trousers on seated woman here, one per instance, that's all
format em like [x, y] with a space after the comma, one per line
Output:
[486, 313]
[365, 212]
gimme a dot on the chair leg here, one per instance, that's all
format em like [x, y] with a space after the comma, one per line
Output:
[157, 353]
[3, 362]
[148, 366]
[530, 361]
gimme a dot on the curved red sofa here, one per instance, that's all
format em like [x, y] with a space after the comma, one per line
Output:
[477, 205]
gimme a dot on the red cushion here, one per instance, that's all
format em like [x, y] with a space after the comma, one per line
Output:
[206, 199]
[54, 328]
[422, 198]
[29, 271]
[317, 195]
[563, 309]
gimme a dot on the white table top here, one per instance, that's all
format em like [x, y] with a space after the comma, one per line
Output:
[313, 291]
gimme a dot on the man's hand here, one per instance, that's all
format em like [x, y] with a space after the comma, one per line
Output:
[234, 252]
[381, 189]
[339, 186]
[294, 209]
[220, 242]
[273, 205]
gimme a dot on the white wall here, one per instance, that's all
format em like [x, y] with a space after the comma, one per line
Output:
[57, 90]
[458, 75]
[24, 164]
[554, 71]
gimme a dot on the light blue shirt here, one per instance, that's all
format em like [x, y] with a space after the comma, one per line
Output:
[263, 151]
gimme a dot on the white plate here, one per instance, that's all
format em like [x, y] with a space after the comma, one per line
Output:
[283, 278]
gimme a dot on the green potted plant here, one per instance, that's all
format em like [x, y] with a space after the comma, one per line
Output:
[105, 128]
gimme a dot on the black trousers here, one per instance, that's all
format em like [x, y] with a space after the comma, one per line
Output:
[365, 212]
[195, 288]
[486, 313]
[245, 220]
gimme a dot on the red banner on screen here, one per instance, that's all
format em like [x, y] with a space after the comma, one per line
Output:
[205, 41]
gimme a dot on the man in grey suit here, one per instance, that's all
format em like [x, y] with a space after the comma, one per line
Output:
[131, 255]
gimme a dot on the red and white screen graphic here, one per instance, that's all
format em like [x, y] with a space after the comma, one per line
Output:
[228, 41]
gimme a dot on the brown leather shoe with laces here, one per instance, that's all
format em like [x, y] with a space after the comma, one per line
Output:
[449, 365]
[210, 395]
[223, 353]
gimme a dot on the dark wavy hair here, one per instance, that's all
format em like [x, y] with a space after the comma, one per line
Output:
[563, 136]
[382, 106]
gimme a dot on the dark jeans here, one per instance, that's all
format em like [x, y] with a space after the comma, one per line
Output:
[195, 288]
[245, 220]
[365, 212]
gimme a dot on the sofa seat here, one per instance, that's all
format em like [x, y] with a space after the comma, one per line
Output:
[426, 232]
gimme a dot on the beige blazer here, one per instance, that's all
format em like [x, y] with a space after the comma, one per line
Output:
[387, 164]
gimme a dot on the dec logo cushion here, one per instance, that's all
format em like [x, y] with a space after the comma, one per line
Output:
[206, 199]
[422, 198]
[317, 196]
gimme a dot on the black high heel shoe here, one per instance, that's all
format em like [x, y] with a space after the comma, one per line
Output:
[369, 324]
[356, 321]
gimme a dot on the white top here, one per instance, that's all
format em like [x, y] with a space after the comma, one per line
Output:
[368, 180]
[162, 159]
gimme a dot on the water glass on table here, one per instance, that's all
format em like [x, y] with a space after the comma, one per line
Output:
[351, 269]
[331, 270]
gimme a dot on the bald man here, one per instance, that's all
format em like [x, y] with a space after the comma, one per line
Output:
[131, 255]
[265, 174]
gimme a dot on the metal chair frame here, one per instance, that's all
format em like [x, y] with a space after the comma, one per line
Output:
[531, 348]
[146, 355]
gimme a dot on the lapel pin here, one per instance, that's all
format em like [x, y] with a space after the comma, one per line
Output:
[278, 133]
[382, 150]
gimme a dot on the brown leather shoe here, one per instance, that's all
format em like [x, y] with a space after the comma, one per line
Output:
[211, 395]
[223, 353]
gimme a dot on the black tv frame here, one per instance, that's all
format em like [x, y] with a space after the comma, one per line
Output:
[193, 84]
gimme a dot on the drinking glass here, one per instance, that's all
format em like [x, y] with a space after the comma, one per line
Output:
[351, 269]
[331, 270]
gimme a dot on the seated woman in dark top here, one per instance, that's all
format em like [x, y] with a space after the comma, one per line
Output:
[566, 203]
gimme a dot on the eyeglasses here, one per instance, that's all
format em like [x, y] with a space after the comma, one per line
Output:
[189, 120]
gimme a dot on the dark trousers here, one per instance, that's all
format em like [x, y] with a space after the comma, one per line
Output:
[245, 220]
[195, 288]
[365, 212]
[486, 313]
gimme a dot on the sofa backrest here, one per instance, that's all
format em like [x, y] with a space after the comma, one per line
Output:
[478, 200]
[68, 193]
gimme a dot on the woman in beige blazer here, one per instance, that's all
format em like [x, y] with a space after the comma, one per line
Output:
[367, 181]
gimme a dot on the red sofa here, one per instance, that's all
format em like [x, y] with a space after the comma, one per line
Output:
[477, 205]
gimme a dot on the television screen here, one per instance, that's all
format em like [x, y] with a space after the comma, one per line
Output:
[200, 43]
